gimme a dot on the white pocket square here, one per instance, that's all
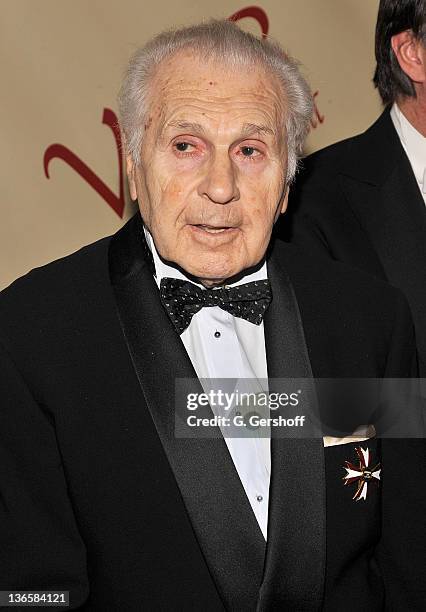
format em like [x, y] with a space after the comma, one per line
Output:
[361, 433]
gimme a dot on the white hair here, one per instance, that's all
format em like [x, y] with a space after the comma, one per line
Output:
[221, 40]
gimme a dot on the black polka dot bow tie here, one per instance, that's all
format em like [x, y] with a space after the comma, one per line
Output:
[182, 300]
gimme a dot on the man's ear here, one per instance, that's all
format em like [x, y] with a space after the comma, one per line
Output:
[285, 201]
[130, 170]
[283, 206]
[408, 52]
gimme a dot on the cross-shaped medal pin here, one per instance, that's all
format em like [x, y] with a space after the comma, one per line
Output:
[362, 474]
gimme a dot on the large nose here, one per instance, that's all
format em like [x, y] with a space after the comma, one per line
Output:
[220, 181]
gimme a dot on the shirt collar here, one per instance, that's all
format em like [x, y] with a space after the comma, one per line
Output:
[413, 142]
[163, 269]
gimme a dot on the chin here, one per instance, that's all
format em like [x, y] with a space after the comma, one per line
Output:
[214, 274]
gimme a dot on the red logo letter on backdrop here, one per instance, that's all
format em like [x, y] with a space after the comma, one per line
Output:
[257, 13]
[57, 150]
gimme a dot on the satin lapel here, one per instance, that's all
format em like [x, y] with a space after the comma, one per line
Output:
[223, 520]
[295, 557]
[392, 211]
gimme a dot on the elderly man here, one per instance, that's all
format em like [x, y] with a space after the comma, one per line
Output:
[362, 201]
[99, 497]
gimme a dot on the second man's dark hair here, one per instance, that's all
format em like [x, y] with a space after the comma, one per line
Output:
[396, 16]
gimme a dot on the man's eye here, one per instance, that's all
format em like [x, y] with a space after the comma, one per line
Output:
[247, 151]
[182, 146]
[250, 151]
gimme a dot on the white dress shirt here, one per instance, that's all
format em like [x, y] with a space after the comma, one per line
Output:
[238, 353]
[414, 145]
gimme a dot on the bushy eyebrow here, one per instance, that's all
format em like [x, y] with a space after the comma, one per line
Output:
[252, 128]
[248, 129]
[186, 125]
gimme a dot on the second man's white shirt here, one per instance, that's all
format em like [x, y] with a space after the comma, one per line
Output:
[414, 145]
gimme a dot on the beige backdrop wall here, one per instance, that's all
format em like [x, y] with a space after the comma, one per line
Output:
[61, 66]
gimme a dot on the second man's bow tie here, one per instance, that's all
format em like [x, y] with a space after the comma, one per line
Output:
[182, 300]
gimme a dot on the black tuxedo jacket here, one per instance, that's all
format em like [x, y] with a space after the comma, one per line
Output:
[358, 201]
[98, 497]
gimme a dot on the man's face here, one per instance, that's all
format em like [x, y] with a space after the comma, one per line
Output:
[211, 181]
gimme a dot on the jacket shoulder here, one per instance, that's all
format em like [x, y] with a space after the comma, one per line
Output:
[63, 272]
[330, 156]
[56, 294]
[350, 154]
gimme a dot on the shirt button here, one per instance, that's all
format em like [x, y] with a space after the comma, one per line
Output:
[217, 334]
[259, 498]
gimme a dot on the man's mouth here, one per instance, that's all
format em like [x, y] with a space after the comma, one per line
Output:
[214, 229]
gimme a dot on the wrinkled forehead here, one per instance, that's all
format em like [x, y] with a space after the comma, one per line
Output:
[188, 88]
